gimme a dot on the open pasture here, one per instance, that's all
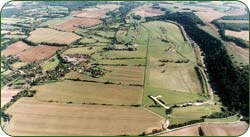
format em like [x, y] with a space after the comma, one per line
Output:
[74, 23]
[88, 92]
[15, 48]
[50, 64]
[94, 13]
[242, 34]
[46, 119]
[38, 53]
[52, 36]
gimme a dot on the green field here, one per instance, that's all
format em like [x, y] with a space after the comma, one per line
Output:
[18, 65]
[83, 50]
[184, 114]
[50, 64]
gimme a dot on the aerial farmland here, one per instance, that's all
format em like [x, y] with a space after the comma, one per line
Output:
[124, 68]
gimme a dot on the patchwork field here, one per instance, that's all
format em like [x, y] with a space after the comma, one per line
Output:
[74, 23]
[89, 92]
[38, 53]
[242, 34]
[46, 119]
[94, 13]
[52, 36]
[15, 48]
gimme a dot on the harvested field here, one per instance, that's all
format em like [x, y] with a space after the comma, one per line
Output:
[89, 92]
[94, 13]
[7, 93]
[52, 36]
[72, 24]
[108, 6]
[18, 65]
[230, 129]
[235, 129]
[38, 53]
[15, 48]
[242, 34]
[209, 15]
[32, 117]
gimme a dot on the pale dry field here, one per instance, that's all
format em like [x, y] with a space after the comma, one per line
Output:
[148, 12]
[108, 6]
[15, 48]
[72, 24]
[212, 129]
[32, 117]
[209, 15]
[38, 53]
[93, 13]
[52, 36]
[237, 12]
[242, 34]
[7, 93]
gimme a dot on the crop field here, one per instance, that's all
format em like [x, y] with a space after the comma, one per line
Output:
[46, 119]
[38, 53]
[88, 40]
[72, 24]
[15, 48]
[52, 36]
[93, 13]
[89, 92]
[129, 62]
[242, 34]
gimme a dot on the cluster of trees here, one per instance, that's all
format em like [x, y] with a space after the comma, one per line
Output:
[230, 81]
[232, 26]
[185, 124]
[238, 41]
[242, 17]
[220, 115]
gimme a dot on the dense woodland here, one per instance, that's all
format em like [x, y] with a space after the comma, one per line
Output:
[231, 82]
